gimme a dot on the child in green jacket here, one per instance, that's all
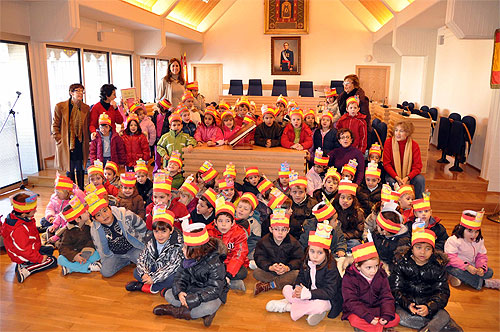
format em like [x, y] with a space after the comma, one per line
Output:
[174, 140]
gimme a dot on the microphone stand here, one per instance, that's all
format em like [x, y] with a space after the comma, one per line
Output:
[11, 112]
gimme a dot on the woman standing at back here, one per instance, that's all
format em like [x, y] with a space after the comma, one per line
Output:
[172, 85]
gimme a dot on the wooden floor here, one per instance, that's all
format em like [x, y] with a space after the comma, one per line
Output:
[50, 302]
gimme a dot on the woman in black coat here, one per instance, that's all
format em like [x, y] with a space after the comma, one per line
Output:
[352, 88]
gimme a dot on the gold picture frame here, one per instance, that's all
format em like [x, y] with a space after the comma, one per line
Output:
[286, 17]
[288, 63]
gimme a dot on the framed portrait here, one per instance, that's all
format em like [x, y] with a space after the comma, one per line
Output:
[285, 55]
[286, 17]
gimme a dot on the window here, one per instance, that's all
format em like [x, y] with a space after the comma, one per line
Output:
[148, 87]
[14, 66]
[161, 71]
[121, 65]
[96, 73]
[63, 67]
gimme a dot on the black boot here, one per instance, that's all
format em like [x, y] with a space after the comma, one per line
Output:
[134, 286]
[177, 312]
[80, 178]
[207, 320]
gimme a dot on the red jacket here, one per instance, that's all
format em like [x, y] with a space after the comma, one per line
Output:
[288, 137]
[137, 147]
[180, 211]
[357, 125]
[237, 248]
[118, 152]
[98, 109]
[388, 158]
[21, 239]
[111, 189]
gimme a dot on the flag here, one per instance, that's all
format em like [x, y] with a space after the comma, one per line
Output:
[495, 66]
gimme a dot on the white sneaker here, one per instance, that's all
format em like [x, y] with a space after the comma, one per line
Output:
[21, 273]
[252, 265]
[65, 270]
[278, 306]
[315, 319]
[95, 267]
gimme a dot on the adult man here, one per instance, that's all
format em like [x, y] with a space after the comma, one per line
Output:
[286, 58]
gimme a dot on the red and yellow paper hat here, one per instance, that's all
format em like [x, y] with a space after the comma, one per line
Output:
[243, 101]
[99, 190]
[249, 171]
[96, 168]
[473, 221]
[296, 111]
[211, 111]
[375, 149]
[205, 166]
[211, 196]
[331, 93]
[190, 186]
[224, 106]
[175, 157]
[332, 172]
[209, 174]
[128, 179]
[104, 119]
[276, 198]
[27, 206]
[187, 95]
[350, 167]
[248, 196]
[327, 114]
[222, 206]
[310, 112]
[423, 203]
[323, 210]
[226, 113]
[284, 171]
[95, 203]
[162, 183]
[192, 85]
[269, 110]
[387, 194]
[279, 218]
[248, 119]
[195, 235]
[112, 166]
[76, 209]
[181, 108]
[322, 237]
[319, 158]
[387, 224]
[140, 166]
[63, 183]
[174, 117]
[132, 117]
[165, 103]
[364, 252]
[353, 99]
[264, 185]
[347, 187]
[282, 100]
[296, 180]
[160, 213]
[292, 104]
[226, 183]
[372, 171]
[406, 189]
[134, 107]
[425, 235]
[230, 171]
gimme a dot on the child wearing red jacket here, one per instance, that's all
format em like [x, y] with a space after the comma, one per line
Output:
[21, 238]
[297, 135]
[136, 143]
[235, 238]
[356, 122]
[107, 145]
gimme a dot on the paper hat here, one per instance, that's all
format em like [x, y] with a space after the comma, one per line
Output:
[187, 95]
[165, 103]
[375, 149]
[104, 119]
[323, 210]
[296, 111]
[296, 180]
[423, 203]
[472, 222]
[175, 157]
[174, 117]
[162, 183]
[195, 235]
[128, 179]
[27, 206]
[310, 112]
[160, 213]
[350, 167]
[284, 171]
[364, 252]
[222, 206]
[372, 171]
[347, 187]
[282, 100]
[226, 114]
[332, 171]
[226, 183]
[100, 190]
[319, 159]
[243, 101]
[264, 185]
[322, 237]
[279, 218]
[209, 175]
[181, 108]
[210, 195]
[76, 209]
[63, 183]
[250, 198]
[248, 119]
[292, 104]
[387, 194]
[331, 93]
[192, 85]
[132, 117]
[112, 166]
[211, 111]
[268, 110]
[95, 203]
[425, 235]
[96, 168]
[249, 171]
[327, 114]
[230, 171]
[190, 186]
[387, 224]
[224, 106]
[406, 189]
[134, 107]
[205, 166]
[140, 166]
[353, 99]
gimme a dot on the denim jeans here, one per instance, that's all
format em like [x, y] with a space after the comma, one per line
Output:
[472, 280]
[77, 267]
[156, 287]
[114, 263]
[436, 323]
[418, 183]
[204, 309]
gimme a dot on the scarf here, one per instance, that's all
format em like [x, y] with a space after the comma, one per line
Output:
[407, 157]
[312, 273]
[75, 126]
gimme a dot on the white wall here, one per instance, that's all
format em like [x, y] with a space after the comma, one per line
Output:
[461, 85]
[412, 81]
[14, 17]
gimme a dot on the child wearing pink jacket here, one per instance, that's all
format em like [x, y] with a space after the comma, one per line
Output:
[208, 131]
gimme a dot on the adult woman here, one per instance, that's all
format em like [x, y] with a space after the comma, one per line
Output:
[352, 88]
[172, 86]
[402, 159]
[341, 156]
[70, 131]
[106, 105]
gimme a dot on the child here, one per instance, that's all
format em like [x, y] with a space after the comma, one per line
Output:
[228, 126]
[208, 131]
[174, 169]
[147, 127]
[235, 239]
[96, 177]
[144, 184]
[283, 180]
[368, 302]
[332, 105]
[317, 289]
[162, 256]
[386, 195]
[406, 201]
[226, 189]
[296, 134]
[356, 122]
[111, 173]
[348, 171]
[136, 143]
[370, 190]
[314, 175]
[278, 255]
[206, 176]
[77, 251]
[129, 197]
[282, 109]
[375, 156]
[267, 193]
[188, 126]
[249, 220]
[424, 218]
[326, 135]
[302, 204]
[467, 254]
[188, 192]
[242, 109]
[268, 133]
[199, 99]
[419, 285]
[107, 145]
[188, 101]
[230, 171]
[202, 272]
[205, 209]
[21, 239]
[174, 140]
[350, 214]
[160, 120]
[330, 186]
[251, 181]
[310, 119]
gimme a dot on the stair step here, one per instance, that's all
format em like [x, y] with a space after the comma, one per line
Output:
[466, 186]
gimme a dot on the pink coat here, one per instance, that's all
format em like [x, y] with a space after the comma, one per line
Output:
[462, 253]
[148, 128]
[55, 206]
[205, 134]
[227, 133]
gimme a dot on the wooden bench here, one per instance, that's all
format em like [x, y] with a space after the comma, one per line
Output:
[304, 102]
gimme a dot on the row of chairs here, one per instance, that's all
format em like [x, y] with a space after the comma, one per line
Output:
[424, 111]
[306, 88]
[455, 138]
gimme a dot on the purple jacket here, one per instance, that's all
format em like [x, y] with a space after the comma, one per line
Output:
[118, 152]
[341, 156]
[367, 300]
[147, 126]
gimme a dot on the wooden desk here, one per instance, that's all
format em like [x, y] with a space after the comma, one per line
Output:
[268, 160]
[304, 102]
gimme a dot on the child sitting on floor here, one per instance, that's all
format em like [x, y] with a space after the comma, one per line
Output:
[406, 197]
[188, 192]
[249, 220]
[375, 156]
[302, 204]
[350, 214]
[206, 177]
[174, 140]
[283, 180]
[356, 122]
[369, 191]
[296, 134]
[174, 169]
[96, 177]
[252, 179]
[205, 209]
[144, 184]
[268, 133]
[330, 186]
[208, 131]
[111, 173]
[129, 197]
[315, 174]
[226, 189]
[348, 171]
[386, 195]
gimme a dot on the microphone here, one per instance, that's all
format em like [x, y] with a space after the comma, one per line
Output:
[18, 93]
[373, 94]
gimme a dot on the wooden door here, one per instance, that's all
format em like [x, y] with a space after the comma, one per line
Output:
[375, 81]
[209, 77]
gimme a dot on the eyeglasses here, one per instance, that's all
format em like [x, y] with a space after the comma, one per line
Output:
[347, 83]
[345, 137]
[79, 91]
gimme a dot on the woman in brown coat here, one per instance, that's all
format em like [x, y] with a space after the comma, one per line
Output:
[70, 130]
